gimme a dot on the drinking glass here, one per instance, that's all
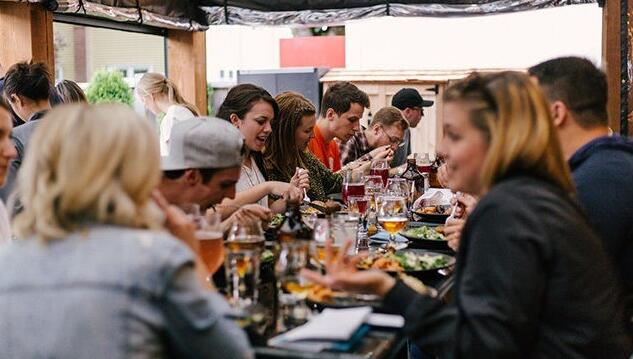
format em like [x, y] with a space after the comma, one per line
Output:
[392, 216]
[211, 241]
[423, 162]
[192, 210]
[353, 184]
[321, 235]
[398, 187]
[373, 188]
[380, 167]
[293, 289]
[243, 249]
[357, 206]
[343, 228]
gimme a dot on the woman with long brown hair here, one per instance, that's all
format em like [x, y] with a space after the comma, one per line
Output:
[286, 147]
[531, 279]
[252, 109]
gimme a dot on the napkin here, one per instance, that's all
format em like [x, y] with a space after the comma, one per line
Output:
[384, 237]
[324, 331]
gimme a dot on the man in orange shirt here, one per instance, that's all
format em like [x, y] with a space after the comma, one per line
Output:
[341, 110]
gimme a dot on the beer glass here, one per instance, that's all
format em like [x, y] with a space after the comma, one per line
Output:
[243, 249]
[211, 241]
[392, 216]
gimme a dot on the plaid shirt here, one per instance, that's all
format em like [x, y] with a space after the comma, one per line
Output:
[356, 148]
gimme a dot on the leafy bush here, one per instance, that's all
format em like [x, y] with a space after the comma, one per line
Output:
[109, 87]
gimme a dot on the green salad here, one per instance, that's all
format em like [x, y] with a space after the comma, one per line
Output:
[415, 262]
[277, 220]
[425, 232]
[267, 256]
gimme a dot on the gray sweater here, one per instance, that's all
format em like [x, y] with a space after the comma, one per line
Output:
[110, 292]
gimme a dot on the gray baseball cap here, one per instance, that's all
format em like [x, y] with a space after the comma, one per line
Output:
[203, 142]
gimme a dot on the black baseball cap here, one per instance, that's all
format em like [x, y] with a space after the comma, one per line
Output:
[408, 97]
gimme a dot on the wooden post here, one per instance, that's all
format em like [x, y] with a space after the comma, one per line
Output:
[26, 33]
[186, 65]
[630, 65]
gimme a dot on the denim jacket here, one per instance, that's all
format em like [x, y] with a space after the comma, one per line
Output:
[110, 292]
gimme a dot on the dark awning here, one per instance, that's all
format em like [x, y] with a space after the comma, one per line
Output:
[327, 12]
[197, 15]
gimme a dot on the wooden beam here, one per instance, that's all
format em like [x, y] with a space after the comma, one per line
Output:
[611, 59]
[26, 34]
[186, 65]
[630, 65]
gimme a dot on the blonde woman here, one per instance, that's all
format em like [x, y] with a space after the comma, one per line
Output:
[7, 154]
[531, 279]
[161, 96]
[95, 274]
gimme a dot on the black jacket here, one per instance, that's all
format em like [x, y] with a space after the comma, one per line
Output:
[603, 173]
[531, 281]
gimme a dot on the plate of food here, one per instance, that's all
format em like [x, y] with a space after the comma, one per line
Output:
[426, 237]
[418, 263]
[433, 214]
[320, 297]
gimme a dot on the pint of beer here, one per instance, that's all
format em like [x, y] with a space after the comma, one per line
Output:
[211, 243]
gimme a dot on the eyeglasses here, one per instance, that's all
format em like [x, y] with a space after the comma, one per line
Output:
[393, 140]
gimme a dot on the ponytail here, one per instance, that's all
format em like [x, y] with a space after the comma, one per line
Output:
[173, 95]
[154, 83]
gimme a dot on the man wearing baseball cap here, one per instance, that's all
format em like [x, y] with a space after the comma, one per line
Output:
[412, 105]
[203, 164]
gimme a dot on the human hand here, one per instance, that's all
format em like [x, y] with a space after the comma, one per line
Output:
[177, 222]
[465, 204]
[301, 179]
[253, 212]
[294, 195]
[381, 152]
[443, 175]
[453, 232]
[342, 274]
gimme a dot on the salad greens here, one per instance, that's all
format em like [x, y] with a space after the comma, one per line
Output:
[425, 232]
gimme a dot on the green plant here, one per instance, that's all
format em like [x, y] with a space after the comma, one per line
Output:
[210, 99]
[109, 87]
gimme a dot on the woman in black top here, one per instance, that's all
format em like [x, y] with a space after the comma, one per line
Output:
[531, 279]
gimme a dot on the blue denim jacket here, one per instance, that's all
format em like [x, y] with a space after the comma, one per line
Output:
[110, 292]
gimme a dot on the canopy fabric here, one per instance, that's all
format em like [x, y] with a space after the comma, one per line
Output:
[197, 15]
[328, 12]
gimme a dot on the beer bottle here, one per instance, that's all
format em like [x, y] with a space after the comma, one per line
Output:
[293, 227]
[414, 179]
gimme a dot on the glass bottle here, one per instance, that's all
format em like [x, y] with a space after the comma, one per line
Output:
[414, 179]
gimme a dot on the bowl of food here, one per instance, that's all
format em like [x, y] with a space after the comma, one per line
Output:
[418, 263]
[426, 237]
[432, 214]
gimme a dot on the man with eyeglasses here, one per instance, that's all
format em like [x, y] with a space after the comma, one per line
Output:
[412, 105]
[379, 140]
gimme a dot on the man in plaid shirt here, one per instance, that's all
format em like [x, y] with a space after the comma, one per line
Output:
[379, 140]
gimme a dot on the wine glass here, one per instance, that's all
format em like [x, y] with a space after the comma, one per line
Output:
[380, 167]
[243, 249]
[357, 206]
[392, 216]
[353, 184]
